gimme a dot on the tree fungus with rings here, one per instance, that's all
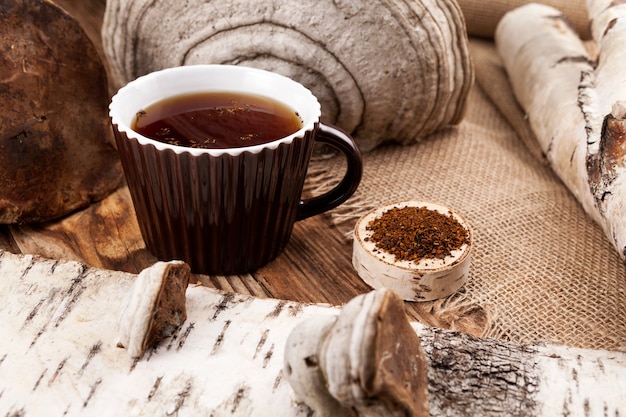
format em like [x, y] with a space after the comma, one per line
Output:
[384, 70]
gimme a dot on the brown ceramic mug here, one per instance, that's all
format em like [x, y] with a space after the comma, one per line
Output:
[224, 211]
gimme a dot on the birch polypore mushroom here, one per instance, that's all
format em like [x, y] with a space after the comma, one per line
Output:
[383, 70]
[155, 308]
[575, 102]
[366, 362]
[58, 355]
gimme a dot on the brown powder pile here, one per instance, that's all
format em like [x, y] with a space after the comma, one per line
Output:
[415, 233]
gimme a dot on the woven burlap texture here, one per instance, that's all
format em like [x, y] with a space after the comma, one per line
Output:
[541, 269]
[482, 16]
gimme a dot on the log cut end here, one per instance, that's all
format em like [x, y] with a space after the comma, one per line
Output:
[606, 164]
[155, 308]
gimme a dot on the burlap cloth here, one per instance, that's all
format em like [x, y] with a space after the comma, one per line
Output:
[482, 16]
[541, 269]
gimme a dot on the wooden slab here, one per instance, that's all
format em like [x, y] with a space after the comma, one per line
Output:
[316, 265]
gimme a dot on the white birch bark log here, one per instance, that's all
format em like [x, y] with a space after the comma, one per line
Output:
[575, 102]
[58, 357]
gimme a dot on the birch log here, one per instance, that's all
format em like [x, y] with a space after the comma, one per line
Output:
[58, 356]
[383, 70]
[576, 102]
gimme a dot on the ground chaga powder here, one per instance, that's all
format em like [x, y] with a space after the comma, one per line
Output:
[415, 233]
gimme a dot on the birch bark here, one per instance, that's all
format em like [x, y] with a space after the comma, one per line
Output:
[575, 102]
[58, 356]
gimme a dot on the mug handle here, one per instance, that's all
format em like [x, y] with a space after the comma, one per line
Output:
[343, 142]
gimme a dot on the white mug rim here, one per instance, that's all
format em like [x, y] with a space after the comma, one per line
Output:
[308, 123]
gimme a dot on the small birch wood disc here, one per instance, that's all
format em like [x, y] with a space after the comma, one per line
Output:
[423, 280]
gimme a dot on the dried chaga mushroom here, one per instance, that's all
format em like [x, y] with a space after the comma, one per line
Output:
[56, 148]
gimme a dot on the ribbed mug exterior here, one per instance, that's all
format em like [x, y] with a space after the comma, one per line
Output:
[184, 201]
[224, 211]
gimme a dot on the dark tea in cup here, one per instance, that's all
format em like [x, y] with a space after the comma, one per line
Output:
[224, 193]
[217, 120]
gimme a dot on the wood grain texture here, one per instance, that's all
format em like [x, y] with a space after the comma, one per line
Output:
[315, 267]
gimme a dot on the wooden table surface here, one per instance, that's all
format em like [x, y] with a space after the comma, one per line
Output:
[315, 267]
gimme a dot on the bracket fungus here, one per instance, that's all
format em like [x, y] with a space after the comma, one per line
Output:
[382, 70]
[56, 147]
[155, 307]
[367, 361]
